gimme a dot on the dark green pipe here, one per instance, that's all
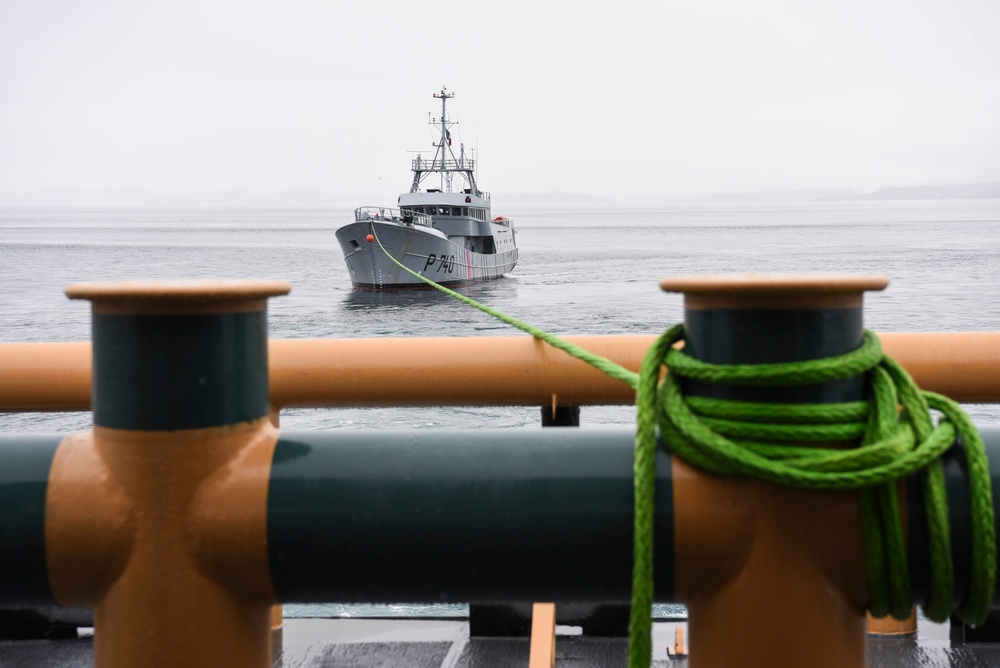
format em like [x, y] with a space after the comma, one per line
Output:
[25, 461]
[460, 516]
[470, 516]
[766, 336]
[956, 481]
[991, 439]
[163, 372]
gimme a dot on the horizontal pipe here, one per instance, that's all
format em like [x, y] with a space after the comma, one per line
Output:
[490, 371]
[962, 365]
[45, 376]
[477, 516]
[24, 476]
[485, 371]
[460, 516]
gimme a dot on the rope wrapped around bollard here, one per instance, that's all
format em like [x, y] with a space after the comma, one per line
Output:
[754, 440]
[757, 440]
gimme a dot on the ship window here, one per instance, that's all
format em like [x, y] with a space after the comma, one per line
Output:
[465, 211]
[456, 211]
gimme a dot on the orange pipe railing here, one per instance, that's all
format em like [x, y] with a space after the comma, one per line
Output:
[488, 371]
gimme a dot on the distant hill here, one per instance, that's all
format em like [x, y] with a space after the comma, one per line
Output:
[955, 191]
[800, 195]
[958, 191]
[556, 198]
[67, 197]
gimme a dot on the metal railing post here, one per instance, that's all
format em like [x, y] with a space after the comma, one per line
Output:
[783, 578]
[158, 520]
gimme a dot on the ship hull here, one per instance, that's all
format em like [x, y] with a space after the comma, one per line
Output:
[426, 251]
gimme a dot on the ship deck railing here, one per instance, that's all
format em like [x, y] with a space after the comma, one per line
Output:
[421, 165]
[366, 214]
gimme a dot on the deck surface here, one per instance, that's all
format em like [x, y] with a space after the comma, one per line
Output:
[381, 643]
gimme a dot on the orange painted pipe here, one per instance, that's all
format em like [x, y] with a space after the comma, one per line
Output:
[45, 376]
[495, 371]
[487, 371]
[964, 366]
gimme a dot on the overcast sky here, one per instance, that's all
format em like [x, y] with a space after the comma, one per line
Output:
[632, 99]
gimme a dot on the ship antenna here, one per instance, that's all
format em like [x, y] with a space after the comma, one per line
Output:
[444, 143]
[444, 118]
[476, 172]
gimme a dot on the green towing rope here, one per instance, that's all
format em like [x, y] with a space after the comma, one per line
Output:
[756, 441]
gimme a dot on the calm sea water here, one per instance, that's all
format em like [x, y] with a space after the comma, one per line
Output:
[583, 270]
[593, 270]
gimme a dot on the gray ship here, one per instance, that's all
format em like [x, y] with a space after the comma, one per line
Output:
[447, 233]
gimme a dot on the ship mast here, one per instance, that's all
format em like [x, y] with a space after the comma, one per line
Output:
[445, 137]
[444, 162]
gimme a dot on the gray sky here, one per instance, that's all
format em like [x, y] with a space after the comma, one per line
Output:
[632, 98]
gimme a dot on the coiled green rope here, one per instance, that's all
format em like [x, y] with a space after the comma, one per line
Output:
[757, 440]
